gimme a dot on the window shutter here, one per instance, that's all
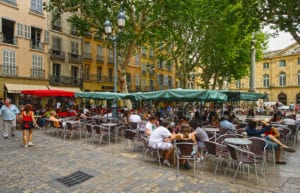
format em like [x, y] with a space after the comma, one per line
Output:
[46, 36]
[19, 30]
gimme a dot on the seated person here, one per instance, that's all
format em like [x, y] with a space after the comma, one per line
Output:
[151, 125]
[289, 120]
[276, 117]
[213, 119]
[253, 130]
[187, 136]
[161, 138]
[54, 120]
[225, 123]
[135, 118]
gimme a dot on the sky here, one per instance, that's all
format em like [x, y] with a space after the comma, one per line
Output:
[281, 41]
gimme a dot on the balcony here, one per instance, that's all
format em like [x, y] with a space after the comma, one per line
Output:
[57, 54]
[56, 27]
[65, 80]
[74, 57]
[110, 60]
[10, 2]
[99, 59]
[98, 78]
[8, 39]
[37, 73]
[87, 56]
[10, 71]
[36, 45]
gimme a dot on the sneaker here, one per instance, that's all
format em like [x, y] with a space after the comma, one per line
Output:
[167, 163]
[30, 143]
[5, 135]
[26, 146]
[187, 165]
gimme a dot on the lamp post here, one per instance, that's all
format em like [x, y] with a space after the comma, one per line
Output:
[252, 72]
[113, 37]
[151, 69]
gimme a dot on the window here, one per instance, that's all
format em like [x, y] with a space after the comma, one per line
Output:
[166, 80]
[282, 79]
[19, 30]
[110, 75]
[37, 66]
[87, 72]
[56, 43]
[46, 36]
[36, 42]
[151, 53]
[144, 52]
[298, 78]
[99, 73]
[137, 60]
[266, 65]
[238, 84]
[87, 50]
[266, 83]
[27, 32]
[11, 2]
[298, 61]
[9, 62]
[74, 47]
[160, 64]
[36, 6]
[99, 53]
[137, 80]
[56, 23]
[281, 63]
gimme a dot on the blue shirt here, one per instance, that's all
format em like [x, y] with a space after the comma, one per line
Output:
[9, 113]
[257, 132]
[227, 124]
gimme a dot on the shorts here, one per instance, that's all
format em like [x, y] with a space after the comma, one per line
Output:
[270, 144]
[161, 145]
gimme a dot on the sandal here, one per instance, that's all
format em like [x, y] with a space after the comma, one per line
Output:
[289, 149]
[280, 162]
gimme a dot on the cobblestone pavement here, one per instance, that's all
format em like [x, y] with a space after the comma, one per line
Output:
[116, 169]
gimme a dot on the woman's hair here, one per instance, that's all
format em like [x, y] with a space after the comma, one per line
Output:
[252, 124]
[27, 108]
[185, 130]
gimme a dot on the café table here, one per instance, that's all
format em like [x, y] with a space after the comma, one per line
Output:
[238, 141]
[109, 126]
[212, 130]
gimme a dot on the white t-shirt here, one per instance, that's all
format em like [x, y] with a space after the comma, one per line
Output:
[135, 118]
[150, 126]
[159, 134]
[289, 121]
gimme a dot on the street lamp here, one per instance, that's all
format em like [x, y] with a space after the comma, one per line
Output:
[151, 69]
[108, 31]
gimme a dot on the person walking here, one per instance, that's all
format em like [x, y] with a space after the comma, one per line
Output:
[28, 122]
[9, 114]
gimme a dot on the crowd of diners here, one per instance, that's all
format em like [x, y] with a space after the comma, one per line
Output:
[163, 126]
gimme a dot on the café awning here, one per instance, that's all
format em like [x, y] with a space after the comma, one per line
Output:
[71, 89]
[17, 88]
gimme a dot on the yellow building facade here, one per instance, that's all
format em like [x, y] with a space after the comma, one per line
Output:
[278, 75]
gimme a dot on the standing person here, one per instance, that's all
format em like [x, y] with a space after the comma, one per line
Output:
[28, 122]
[9, 114]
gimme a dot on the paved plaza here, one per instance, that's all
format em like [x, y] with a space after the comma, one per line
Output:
[115, 169]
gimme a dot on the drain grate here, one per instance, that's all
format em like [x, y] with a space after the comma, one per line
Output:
[75, 178]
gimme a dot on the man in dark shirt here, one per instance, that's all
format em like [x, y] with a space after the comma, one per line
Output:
[272, 142]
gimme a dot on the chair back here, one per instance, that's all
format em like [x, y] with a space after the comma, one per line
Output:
[97, 129]
[258, 145]
[232, 152]
[211, 147]
[185, 148]
[89, 128]
[223, 130]
[133, 125]
[130, 134]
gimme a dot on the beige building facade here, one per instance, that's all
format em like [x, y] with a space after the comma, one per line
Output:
[23, 48]
[278, 75]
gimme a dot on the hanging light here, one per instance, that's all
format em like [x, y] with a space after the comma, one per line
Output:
[121, 19]
[107, 26]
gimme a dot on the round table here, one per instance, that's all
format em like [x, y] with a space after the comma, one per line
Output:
[238, 141]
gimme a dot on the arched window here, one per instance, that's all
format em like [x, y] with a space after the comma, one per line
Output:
[282, 98]
[266, 83]
[282, 79]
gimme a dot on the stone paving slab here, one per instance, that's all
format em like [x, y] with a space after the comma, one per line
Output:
[117, 170]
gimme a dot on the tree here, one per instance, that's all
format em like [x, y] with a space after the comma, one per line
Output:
[143, 15]
[280, 14]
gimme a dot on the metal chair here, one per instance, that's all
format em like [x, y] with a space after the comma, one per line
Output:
[216, 151]
[99, 132]
[147, 148]
[242, 157]
[183, 151]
